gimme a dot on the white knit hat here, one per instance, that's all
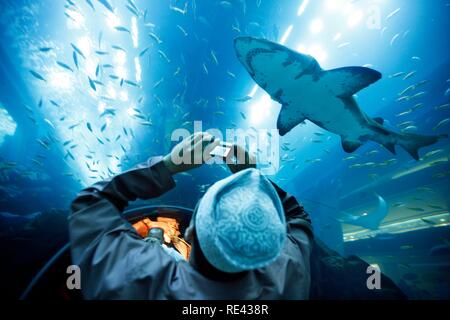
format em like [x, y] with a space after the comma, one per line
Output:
[240, 222]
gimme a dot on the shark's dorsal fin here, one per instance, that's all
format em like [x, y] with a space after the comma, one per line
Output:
[345, 82]
[288, 119]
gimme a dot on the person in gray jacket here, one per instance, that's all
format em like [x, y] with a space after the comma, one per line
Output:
[250, 239]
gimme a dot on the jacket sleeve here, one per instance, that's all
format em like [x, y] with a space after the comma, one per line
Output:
[300, 236]
[297, 218]
[115, 263]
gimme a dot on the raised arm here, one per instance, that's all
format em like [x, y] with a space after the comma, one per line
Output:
[105, 246]
[115, 263]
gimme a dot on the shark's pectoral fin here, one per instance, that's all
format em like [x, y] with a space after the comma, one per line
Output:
[288, 119]
[350, 146]
[345, 82]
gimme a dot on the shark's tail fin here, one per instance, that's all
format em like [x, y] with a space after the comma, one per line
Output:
[413, 142]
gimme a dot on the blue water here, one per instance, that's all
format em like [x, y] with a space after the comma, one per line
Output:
[64, 126]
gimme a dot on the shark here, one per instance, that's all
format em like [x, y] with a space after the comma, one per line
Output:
[324, 97]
